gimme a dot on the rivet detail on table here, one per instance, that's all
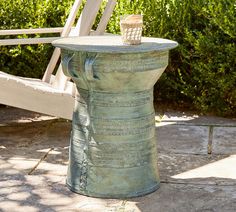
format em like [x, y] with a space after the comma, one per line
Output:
[113, 145]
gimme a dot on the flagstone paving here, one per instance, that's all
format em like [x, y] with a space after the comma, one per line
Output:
[196, 160]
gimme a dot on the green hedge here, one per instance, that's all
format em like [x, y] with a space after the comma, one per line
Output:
[202, 71]
[30, 61]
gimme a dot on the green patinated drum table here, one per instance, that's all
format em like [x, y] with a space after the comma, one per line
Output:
[113, 146]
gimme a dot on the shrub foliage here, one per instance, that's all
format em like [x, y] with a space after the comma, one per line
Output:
[201, 71]
[29, 60]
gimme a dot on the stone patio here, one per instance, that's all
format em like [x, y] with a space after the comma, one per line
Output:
[197, 164]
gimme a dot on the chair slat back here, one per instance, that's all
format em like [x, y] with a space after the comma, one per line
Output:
[56, 54]
[105, 17]
[87, 17]
[83, 27]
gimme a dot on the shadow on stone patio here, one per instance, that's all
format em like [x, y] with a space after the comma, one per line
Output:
[196, 159]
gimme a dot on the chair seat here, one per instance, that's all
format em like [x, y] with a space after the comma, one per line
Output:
[36, 95]
[33, 83]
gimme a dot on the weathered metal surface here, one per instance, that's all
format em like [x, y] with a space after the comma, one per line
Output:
[113, 145]
[113, 44]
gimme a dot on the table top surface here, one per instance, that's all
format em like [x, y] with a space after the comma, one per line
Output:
[113, 44]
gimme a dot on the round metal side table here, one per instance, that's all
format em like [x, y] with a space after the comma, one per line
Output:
[113, 146]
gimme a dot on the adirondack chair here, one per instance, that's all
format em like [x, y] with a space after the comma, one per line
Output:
[53, 94]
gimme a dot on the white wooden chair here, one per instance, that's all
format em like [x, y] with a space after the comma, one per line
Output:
[53, 94]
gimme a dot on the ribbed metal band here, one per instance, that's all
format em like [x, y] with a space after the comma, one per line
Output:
[113, 142]
[113, 146]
